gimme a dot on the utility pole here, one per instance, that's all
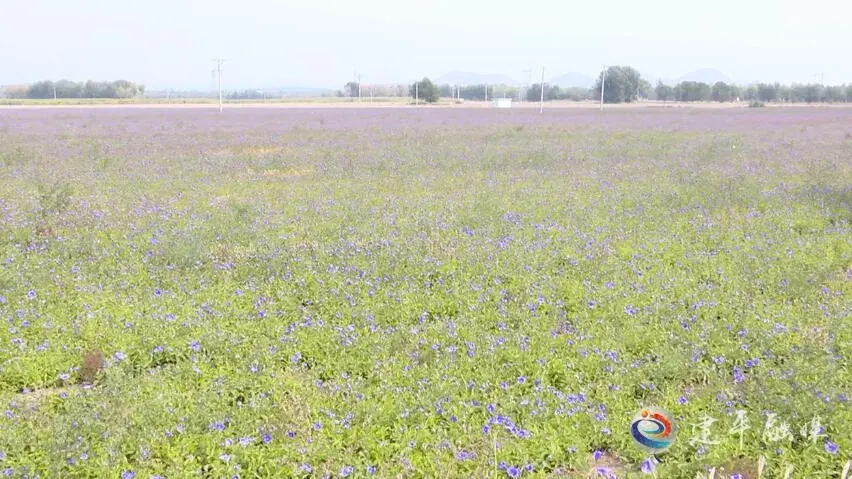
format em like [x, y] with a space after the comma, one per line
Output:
[371, 94]
[54, 93]
[541, 102]
[416, 94]
[486, 92]
[219, 62]
[603, 82]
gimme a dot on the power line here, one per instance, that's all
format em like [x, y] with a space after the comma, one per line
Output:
[219, 62]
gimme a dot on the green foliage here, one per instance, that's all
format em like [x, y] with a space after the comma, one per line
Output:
[722, 92]
[767, 92]
[246, 95]
[90, 89]
[551, 92]
[664, 92]
[622, 85]
[351, 89]
[692, 91]
[248, 299]
[54, 199]
[756, 104]
[426, 91]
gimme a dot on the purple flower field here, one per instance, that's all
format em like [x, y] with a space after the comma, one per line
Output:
[424, 292]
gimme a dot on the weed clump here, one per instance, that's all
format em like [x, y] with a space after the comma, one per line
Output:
[93, 364]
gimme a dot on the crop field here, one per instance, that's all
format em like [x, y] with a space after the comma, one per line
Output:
[424, 292]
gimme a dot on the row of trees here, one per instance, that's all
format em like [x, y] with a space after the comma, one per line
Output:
[424, 91]
[624, 84]
[247, 95]
[70, 89]
[765, 92]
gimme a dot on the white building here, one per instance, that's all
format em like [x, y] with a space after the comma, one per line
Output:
[503, 103]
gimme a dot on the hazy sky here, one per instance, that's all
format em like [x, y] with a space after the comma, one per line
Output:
[171, 43]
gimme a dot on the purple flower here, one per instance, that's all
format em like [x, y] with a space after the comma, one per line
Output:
[605, 472]
[648, 466]
[609, 285]
[31, 294]
[831, 447]
[462, 455]
[291, 434]
[682, 400]
[528, 468]
[267, 438]
[120, 356]
[306, 468]
[736, 476]
[513, 472]
[371, 470]
[195, 346]
[738, 375]
[630, 310]
[318, 426]
[346, 471]
[128, 475]
[598, 455]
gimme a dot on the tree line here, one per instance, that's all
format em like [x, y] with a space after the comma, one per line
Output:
[764, 92]
[71, 89]
[624, 84]
[427, 91]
